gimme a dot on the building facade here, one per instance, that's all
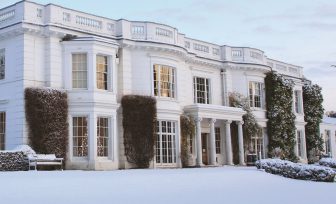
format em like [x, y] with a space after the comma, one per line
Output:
[97, 60]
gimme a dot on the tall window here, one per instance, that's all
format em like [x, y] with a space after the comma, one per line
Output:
[2, 64]
[299, 143]
[2, 130]
[255, 94]
[201, 90]
[218, 140]
[102, 137]
[80, 136]
[327, 141]
[165, 142]
[257, 144]
[297, 101]
[102, 72]
[164, 81]
[79, 71]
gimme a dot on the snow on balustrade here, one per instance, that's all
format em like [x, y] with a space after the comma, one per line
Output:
[7, 15]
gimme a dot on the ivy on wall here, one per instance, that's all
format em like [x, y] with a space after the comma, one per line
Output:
[47, 119]
[187, 131]
[250, 127]
[281, 119]
[139, 123]
[313, 110]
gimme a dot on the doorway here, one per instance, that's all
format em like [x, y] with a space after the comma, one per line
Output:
[205, 148]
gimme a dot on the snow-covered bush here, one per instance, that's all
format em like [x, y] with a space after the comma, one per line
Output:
[329, 162]
[13, 161]
[187, 132]
[47, 119]
[296, 170]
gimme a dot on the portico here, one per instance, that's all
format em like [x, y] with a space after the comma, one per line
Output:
[220, 117]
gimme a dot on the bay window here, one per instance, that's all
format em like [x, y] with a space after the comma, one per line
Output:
[164, 81]
[79, 71]
[102, 72]
[255, 94]
[102, 137]
[80, 136]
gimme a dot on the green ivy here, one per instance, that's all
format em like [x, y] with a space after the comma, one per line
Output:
[313, 110]
[187, 131]
[281, 119]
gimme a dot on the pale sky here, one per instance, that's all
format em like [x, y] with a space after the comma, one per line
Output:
[301, 32]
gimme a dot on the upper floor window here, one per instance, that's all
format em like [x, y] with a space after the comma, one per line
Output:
[255, 94]
[102, 72]
[80, 136]
[164, 81]
[2, 64]
[2, 130]
[201, 90]
[297, 101]
[79, 71]
[102, 137]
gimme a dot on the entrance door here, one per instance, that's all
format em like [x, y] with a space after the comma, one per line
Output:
[205, 148]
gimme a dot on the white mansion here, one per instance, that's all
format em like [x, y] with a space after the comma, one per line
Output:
[98, 60]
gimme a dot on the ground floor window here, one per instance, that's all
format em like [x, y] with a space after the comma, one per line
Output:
[80, 136]
[165, 142]
[257, 145]
[327, 141]
[2, 130]
[299, 143]
[218, 140]
[102, 137]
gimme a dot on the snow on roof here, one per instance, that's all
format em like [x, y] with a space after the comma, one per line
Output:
[329, 120]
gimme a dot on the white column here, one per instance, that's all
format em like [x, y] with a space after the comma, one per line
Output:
[198, 142]
[91, 71]
[241, 142]
[212, 142]
[304, 147]
[228, 142]
[92, 134]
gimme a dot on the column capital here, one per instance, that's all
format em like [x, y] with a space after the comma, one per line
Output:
[198, 119]
[228, 122]
[212, 120]
[240, 122]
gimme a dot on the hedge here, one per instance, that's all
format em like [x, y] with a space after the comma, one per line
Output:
[139, 123]
[329, 162]
[13, 161]
[47, 119]
[296, 170]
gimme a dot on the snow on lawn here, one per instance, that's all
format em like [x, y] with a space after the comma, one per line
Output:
[199, 185]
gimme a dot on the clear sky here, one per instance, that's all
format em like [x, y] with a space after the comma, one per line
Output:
[302, 32]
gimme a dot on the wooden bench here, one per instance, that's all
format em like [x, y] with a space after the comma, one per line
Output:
[44, 160]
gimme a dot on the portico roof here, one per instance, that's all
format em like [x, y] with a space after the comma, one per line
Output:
[215, 112]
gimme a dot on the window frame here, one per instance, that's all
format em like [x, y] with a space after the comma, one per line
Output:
[299, 140]
[77, 71]
[2, 64]
[106, 73]
[206, 92]
[159, 151]
[86, 155]
[106, 137]
[3, 128]
[252, 85]
[297, 101]
[327, 141]
[157, 82]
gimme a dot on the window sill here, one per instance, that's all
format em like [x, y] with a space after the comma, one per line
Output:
[160, 98]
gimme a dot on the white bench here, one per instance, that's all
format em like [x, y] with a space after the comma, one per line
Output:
[44, 160]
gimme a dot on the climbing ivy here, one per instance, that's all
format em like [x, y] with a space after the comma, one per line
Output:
[281, 119]
[187, 132]
[313, 111]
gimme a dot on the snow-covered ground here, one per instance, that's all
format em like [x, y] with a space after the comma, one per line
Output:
[202, 185]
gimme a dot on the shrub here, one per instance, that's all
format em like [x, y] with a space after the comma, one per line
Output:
[329, 162]
[281, 119]
[297, 171]
[47, 116]
[139, 123]
[187, 132]
[13, 161]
